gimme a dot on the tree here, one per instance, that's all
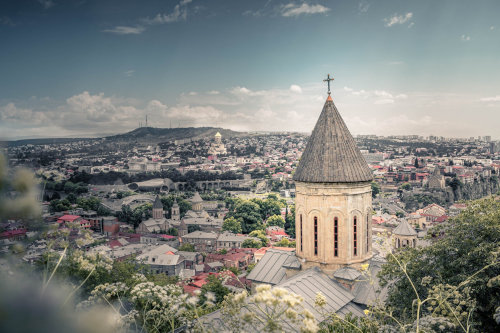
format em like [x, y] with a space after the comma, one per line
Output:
[193, 227]
[406, 187]
[285, 242]
[416, 162]
[375, 189]
[233, 225]
[276, 220]
[251, 243]
[215, 286]
[188, 247]
[249, 212]
[172, 231]
[463, 254]
[400, 214]
[261, 236]
[290, 223]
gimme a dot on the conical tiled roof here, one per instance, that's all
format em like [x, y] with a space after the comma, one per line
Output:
[157, 204]
[331, 155]
[404, 229]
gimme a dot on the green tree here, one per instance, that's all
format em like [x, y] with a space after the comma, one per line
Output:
[405, 186]
[233, 225]
[285, 242]
[261, 235]
[464, 252]
[375, 189]
[251, 243]
[215, 286]
[249, 213]
[188, 247]
[276, 220]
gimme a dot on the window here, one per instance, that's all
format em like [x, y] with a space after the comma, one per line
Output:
[315, 236]
[336, 237]
[300, 232]
[367, 234]
[355, 235]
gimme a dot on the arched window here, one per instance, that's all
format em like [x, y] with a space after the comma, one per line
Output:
[367, 234]
[315, 236]
[301, 233]
[336, 237]
[355, 236]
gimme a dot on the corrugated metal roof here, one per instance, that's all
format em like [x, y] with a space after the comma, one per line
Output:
[270, 268]
[367, 290]
[331, 154]
[306, 284]
[347, 273]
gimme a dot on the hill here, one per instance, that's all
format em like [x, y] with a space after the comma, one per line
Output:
[160, 135]
[150, 135]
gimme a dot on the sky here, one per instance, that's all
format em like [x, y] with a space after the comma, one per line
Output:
[72, 68]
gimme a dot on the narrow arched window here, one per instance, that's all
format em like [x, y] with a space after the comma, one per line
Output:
[355, 236]
[315, 236]
[336, 237]
[367, 234]
[301, 233]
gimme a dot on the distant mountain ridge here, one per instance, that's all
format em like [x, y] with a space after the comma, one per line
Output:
[141, 135]
[157, 135]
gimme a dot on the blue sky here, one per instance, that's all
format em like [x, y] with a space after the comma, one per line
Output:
[73, 68]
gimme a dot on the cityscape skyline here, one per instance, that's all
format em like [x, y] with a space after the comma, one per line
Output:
[93, 68]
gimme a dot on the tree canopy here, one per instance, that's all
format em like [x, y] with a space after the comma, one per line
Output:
[463, 254]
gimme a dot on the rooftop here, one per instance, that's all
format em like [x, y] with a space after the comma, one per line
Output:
[331, 154]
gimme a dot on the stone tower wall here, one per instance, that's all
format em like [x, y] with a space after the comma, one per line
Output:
[327, 201]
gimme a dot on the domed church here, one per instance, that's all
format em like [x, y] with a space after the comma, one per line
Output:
[333, 201]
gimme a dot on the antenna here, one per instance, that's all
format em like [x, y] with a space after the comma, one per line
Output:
[146, 120]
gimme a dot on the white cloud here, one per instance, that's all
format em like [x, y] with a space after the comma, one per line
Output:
[490, 99]
[465, 38]
[179, 13]
[296, 88]
[46, 3]
[214, 92]
[363, 6]
[492, 27]
[398, 19]
[126, 30]
[293, 9]
[129, 73]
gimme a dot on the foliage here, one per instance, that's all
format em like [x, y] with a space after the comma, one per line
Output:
[268, 310]
[276, 220]
[249, 213]
[18, 194]
[251, 244]
[375, 189]
[172, 231]
[215, 286]
[188, 247]
[233, 225]
[193, 227]
[261, 235]
[463, 256]
[285, 242]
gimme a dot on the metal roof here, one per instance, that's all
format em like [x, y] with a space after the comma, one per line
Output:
[404, 229]
[270, 269]
[331, 154]
[346, 273]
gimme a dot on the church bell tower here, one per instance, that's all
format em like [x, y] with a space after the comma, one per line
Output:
[333, 204]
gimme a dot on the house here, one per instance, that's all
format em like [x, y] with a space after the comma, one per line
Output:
[202, 241]
[237, 258]
[73, 219]
[163, 259]
[228, 240]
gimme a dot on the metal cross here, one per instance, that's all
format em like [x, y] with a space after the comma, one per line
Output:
[328, 79]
